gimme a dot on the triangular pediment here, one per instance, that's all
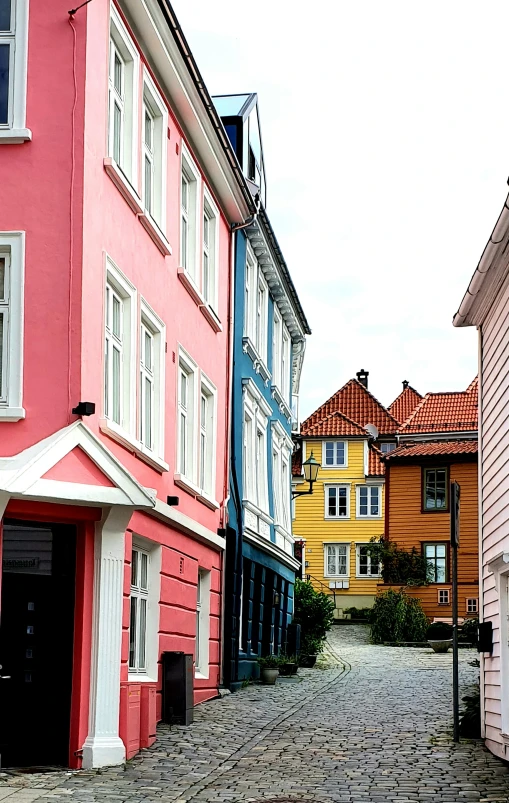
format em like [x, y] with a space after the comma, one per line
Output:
[76, 466]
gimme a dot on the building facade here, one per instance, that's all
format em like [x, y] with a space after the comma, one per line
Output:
[268, 350]
[115, 309]
[486, 306]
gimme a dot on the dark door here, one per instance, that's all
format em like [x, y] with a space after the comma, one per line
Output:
[36, 643]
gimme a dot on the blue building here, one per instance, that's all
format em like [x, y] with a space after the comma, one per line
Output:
[268, 350]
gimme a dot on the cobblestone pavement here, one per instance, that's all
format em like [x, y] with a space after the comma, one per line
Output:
[372, 724]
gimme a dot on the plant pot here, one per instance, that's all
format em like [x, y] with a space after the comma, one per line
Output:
[288, 669]
[307, 661]
[441, 645]
[269, 676]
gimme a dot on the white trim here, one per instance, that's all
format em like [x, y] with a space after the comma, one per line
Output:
[212, 212]
[338, 485]
[326, 544]
[249, 348]
[271, 549]
[119, 435]
[13, 244]
[202, 665]
[186, 524]
[158, 329]
[122, 40]
[358, 575]
[186, 365]
[208, 490]
[189, 170]
[120, 181]
[249, 387]
[154, 102]
[14, 131]
[154, 592]
[335, 465]
[369, 486]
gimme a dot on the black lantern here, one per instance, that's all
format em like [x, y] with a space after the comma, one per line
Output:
[310, 468]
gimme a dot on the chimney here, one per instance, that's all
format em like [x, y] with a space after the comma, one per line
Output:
[362, 376]
[405, 384]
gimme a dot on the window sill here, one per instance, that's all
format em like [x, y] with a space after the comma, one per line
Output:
[12, 414]
[248, 348]
[122, 437]
[189, 487]
[208, 313]
[283, 404]
[257, 511]
[200, 676]
[122, 184]
[14, 136]
[283, 531]
[333, 468]
[153, 230]
[191, 287]
[337, 518]
[141, 678]
[368, 518]
[376, 577]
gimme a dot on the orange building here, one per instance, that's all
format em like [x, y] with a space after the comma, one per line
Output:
[438, 445]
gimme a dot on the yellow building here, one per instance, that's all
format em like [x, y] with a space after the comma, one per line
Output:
[333, 526]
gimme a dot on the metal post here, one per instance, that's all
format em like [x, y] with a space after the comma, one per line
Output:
[455, 532]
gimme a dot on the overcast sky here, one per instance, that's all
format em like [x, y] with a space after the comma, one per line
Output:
[386, 138]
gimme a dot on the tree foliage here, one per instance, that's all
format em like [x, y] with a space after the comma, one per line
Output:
[400, 566]
[397, 617]
[314, 611]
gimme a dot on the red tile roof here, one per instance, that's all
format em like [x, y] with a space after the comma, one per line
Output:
[335, 424]
[404, 405]
[375, 466]
[434, 449]
[444, 412]
[356, 403]
[474, 386]
[297, 459]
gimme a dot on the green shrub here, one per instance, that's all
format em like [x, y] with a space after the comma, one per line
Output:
[469, 632]
[358, 613]
[397, 617]
[314, 611]
[399, 566]
[470, 719]
[439, 631]
[268, 662]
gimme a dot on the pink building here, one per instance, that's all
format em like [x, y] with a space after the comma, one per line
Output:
[119, 191]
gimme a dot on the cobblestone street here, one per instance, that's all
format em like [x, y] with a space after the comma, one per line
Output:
[373, 724]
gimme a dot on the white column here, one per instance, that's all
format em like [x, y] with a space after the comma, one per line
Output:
[103, 746]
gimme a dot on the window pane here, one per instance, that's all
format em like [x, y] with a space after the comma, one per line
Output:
[4, 83]
[374, 501]
[117, 132]
[342, 501]
[183, 444]
[206, 277]
[183, 389]
[329, 454]
[143, 571]
[116, 316]
[206, 231]
[184, 242]
[430, 550]
[134, 568]
[148, 351]
[1, 354]
[2, 277]
[332, 501]
[148, 184]
[132, 634]
[331, 560]
[148, 413]
[117, 74]
[116, 386]
[142, 633]
[440, 575]
[202, 460]
[340, 453]
[106, 377]
[5, 15]
[148, 130]
[440, 550]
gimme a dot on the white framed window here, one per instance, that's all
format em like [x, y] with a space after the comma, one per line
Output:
[256, 302]
[13, 70]
[369, 501]
[189, 210]
[443, 596]
[12, 281]
[202, 624]
[119, 349]
[336, 560]
[186, 425]
[277, 344]
[366, 565]
[208, 394]
[335, 454]
[210, 250]
[155, 126]
[152, 380]
[262, 302]
[286, 358]
[337, 501]
[250, 295]
[281, 476]
[385, 448]
[138, 610]
[255, 451]
[472, 605]
[123, 83]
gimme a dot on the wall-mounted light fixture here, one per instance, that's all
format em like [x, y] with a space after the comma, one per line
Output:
[310, 468]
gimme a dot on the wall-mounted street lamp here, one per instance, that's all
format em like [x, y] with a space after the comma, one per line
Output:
[310, 468]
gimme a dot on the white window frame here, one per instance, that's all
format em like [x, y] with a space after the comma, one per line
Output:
[211, 252]
[277, 344]
[14, 130]
[326, 492]
[472, 605]
[255, 474]
[121, 285]
[444, 596]
[335, 464]
[385, 444]
[336, 545]
[202, 655]
[261, 316]
[358, 573]
[286, 364]
[156, 108]
[250, 291]
[190, 368]
[150, 321]
[192, 260]
[122, 41]
[370, 489]
[207, 462]
[154, 551]
[281, 458]
[140, 593]
[12, 247]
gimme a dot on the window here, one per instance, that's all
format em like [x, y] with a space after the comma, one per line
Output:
[277, 344]
[256, 413]
[436, 557]
[262, 295]
[13, 70]
[281, 462]
[120, 307]
[122, 99]
[472, 605]
[189, 186]
[256, 299]
[369, 501]
[286, 365]
[443, 596]
[202, 623]
[335, 454]
[186, 417]
[336, 560]
[366, 566]
[151, 399]
[337, 501]
[210, 250]
[155, 126]
[435, 489]
[139, 609]
[385, 448]
[207, 427]
[12, 258]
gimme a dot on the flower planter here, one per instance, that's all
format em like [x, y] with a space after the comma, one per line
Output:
[288, 669]
[307, 661]
[269, 676]
[441, 645]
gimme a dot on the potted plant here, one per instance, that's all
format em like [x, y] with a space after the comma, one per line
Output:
[288, 665]
[439, 636]
[269, 669]
[311, 647]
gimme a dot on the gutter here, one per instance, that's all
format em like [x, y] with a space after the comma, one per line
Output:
[498, 235]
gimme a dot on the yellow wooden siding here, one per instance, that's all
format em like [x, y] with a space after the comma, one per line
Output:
[428, 596]
[310, 522]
